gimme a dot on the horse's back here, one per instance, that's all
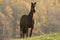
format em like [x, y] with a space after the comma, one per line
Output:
[23, 20]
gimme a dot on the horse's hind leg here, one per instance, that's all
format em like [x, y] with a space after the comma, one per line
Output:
[21, 32]
[23, 35]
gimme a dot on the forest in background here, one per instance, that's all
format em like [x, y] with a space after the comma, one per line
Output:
[47, 17]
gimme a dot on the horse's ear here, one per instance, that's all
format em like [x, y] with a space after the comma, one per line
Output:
[31, 2]
[35, 3]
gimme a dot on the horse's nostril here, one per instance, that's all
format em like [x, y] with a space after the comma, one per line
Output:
[34, 10]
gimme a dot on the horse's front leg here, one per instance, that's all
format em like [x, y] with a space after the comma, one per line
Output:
[31, 31]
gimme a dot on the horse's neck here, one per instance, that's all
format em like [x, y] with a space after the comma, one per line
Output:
[30, 15]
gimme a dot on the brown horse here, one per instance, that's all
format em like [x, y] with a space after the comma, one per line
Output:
[27, 22]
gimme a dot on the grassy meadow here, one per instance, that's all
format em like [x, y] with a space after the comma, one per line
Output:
[52, 36]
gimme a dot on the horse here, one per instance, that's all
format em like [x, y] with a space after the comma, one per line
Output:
[27, 22]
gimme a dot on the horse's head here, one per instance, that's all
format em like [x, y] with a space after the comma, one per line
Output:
[33, 6]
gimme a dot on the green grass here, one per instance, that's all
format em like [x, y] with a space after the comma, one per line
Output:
[52, 36]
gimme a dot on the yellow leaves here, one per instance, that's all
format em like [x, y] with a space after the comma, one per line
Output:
[1, 1]
[9, 11]
[19, 4]
[8, 8]
[53, 2]
[57, 3]
[42, 12]
[26, 4]
[1, 14]
[12, 1]
[42, 5]
[50, 2]
[18, 22]
[21, 0]
[35, 16]
[38, 24]
[17, 30]
[54, 5]
[43, 19]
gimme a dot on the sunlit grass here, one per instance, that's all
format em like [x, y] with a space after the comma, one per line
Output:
[52, 36]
